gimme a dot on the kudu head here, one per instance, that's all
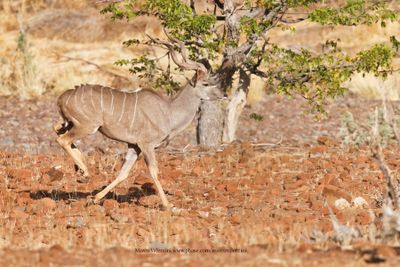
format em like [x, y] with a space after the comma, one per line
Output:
[205, 86]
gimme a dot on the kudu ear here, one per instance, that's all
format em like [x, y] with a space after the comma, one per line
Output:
[200, 75]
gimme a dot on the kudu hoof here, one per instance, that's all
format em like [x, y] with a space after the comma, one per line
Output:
[91, 200]
[176, 211]
[83, 179]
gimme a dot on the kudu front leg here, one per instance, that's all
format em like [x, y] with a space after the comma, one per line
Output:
[130, 159]
[151, 162]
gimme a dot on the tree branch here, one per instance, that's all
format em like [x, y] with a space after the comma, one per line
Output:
[100, 68]
[233, 57]
[219, 4]
[183, 63]
[193, 7]
[283, 20]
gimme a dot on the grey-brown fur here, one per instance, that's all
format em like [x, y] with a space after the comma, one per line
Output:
[143, 119]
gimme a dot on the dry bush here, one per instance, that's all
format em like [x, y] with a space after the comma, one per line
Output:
[86, 26]
[370, 86]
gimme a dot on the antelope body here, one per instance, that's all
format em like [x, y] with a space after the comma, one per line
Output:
[142, 119]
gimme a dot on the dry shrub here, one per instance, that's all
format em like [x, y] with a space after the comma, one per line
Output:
[256, 90]
[19, 73]
[88, 25]
[370, 86]
[32, 6]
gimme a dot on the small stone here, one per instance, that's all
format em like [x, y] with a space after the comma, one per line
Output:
[342, 204]
[218, 211]
[118, 217]
[19, 214]
[142, 232]
[203, 214]
[141, 180]
[327, 141]
[236, 218]
[260, 180]
[110, 205]
[197, 171]
[176, 211]
[47, 203]
[331, 190]
[55, 174]
[21, 174]
[359, 202]
[179, 193]
[150, 201]
[386, 251]
[318, 150]
[231, 187]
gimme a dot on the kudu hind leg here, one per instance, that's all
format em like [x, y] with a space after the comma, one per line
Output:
[150, 158]
[66, 142]
[130, 159]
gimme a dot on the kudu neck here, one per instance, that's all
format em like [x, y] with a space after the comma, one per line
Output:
[184, 107]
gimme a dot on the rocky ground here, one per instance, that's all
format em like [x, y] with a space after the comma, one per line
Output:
[268, 199]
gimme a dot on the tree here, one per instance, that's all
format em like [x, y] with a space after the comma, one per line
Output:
[226, 37]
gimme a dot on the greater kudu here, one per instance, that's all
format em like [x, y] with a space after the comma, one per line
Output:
[143, 119]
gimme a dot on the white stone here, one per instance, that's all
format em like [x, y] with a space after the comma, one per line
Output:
[342, 204]
[359, 202]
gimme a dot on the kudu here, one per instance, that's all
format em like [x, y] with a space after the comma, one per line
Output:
[142, 119]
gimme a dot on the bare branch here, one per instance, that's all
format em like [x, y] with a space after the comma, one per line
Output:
[379, 156]
[183, 63]
[193, 7]
[233, 57]
[219, 4]
[101, 68]
[292, 21]
[184, 52]
[108, 1]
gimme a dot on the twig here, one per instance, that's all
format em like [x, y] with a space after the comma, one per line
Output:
[109, 1]
[193, 7]
[269, 144]
[378, 155]
[393, 123]
[391, 192]
[68, 58]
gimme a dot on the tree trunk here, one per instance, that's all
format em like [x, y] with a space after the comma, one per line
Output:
[210, 124]
[232, 114]
[235, 107]
[218, 121]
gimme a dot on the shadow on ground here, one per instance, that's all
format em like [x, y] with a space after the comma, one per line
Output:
[133, 194]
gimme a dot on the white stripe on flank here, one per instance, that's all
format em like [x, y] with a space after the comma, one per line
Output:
[75, 94]
[101, 102]
[82, 94]
[82, 104]
[123, 108]
[112, 102]
[134, 111]
[66, 102]
[91, 97]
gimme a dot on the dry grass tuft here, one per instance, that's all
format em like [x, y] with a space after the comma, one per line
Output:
[374, 87]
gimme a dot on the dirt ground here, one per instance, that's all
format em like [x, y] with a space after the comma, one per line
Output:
[264, 200]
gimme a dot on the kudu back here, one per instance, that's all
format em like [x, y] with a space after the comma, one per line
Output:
[142, 119]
